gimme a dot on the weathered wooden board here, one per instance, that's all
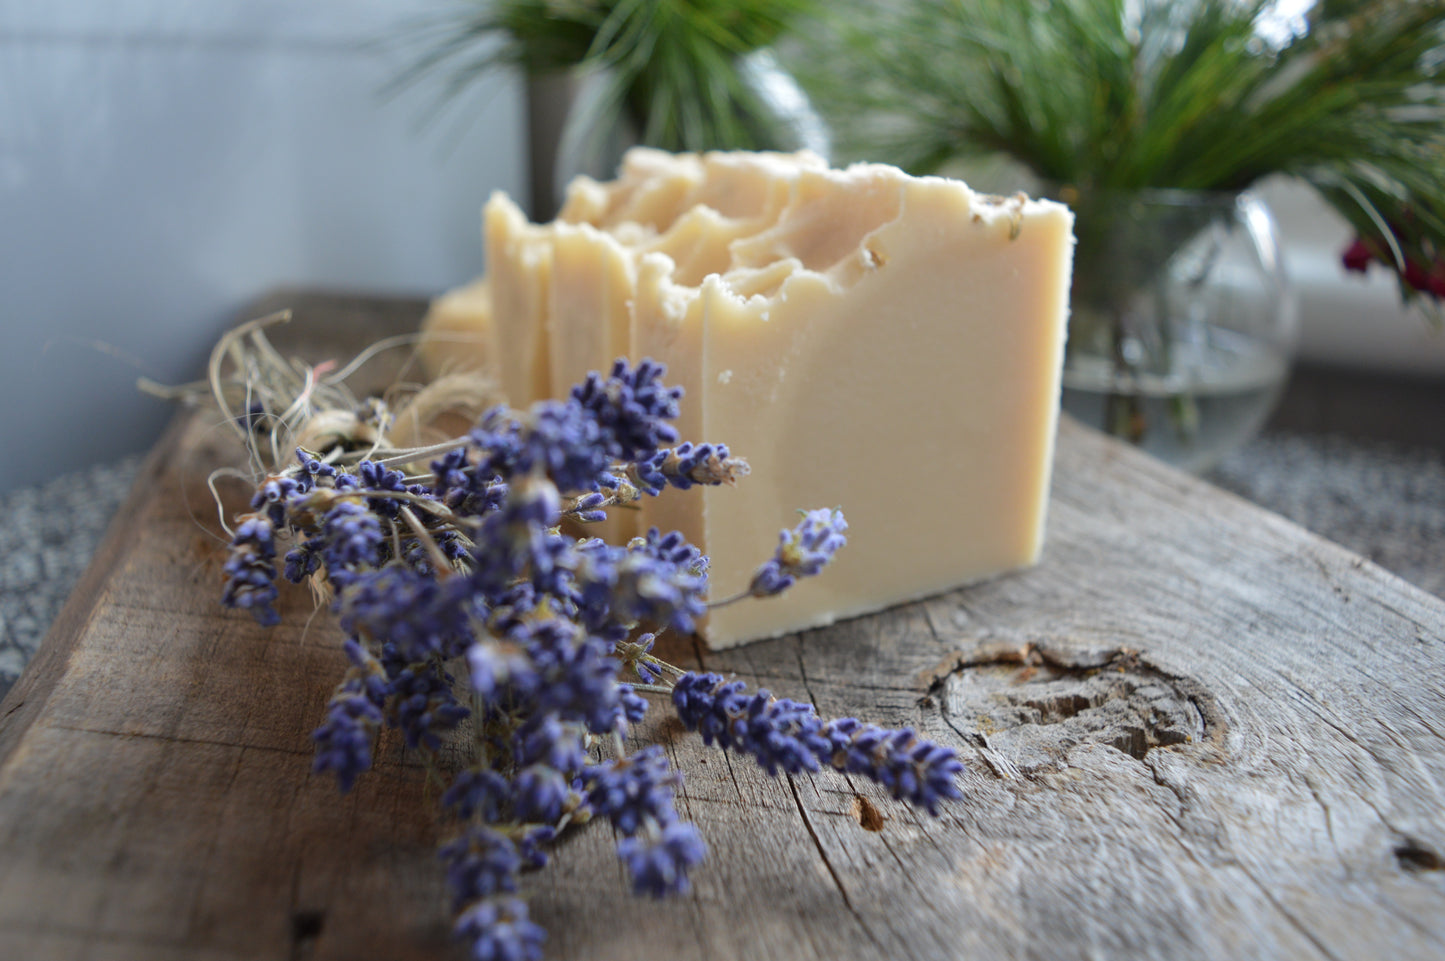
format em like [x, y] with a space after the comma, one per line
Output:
[1195, 730]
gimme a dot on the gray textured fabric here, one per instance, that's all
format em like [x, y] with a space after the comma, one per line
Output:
[1380, 500]
[47, 537]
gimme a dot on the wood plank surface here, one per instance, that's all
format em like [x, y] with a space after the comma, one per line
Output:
[1194, 731]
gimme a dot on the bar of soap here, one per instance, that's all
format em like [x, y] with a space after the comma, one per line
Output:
[868, 340]
[458, 331]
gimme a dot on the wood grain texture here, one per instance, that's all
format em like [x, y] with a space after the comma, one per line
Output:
[1194, 731]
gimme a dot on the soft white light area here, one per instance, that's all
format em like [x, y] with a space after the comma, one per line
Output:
[1283, 20]
[1346, 319]
[162, 162]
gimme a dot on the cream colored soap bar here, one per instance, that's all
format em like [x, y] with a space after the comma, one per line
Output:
[458, 331]
[906, 368]
[519, 271]
[886, 344]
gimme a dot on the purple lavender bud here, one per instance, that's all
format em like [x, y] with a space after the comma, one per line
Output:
[250, 574]
[378, 477]
[631, 406]
[511, 608]
[367, 670]
[707, 705]
[259, 532]
[780, 734]
[495, 667]
[499, 930]
[451, 473]
[659, 863]
[515, 537]
[496, 439]
[785, 735]
[564, 442]
[687, 465]
[912, 769]
[589, 502]
[546, 740]
[550, 563]
[588, 510]
[661, 579]
[484, 500]
[539, 794]
[530, 845]
[344, 741]
[636, 662]
[312, 469]
[477, 792]
[302, 560]
[593, 566]
[634, 791]
[424, 704]
[634, 705]
[420, 616]
[479, 863]
[451, 545]
[351, 539]
[273, 494]
[577, 676]
[672, 548]
[802, 552]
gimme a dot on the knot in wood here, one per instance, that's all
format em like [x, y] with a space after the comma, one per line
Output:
[1028, 705]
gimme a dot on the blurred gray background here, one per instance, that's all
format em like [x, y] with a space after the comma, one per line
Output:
[163, 162]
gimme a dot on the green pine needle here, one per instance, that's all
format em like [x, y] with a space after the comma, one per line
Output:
[1108, 95]
[672, 64]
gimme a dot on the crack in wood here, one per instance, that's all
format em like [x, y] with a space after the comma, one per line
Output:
[1289, 916]
[828, 865]
[803, 676]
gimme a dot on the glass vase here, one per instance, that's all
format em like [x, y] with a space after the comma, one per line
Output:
[1182, 321]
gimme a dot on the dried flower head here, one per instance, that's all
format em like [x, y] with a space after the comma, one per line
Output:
[464, 601]
[802, 552]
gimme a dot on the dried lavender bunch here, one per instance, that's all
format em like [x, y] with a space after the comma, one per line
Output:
[463, 599]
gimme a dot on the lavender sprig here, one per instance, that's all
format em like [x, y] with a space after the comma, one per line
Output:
[463, 598]
[479, 863]
[498, 929]
[789, 736]
[802, 552]
[250, 571]
[354, 715]
[631, 408]
[659, 860]
[688, 465]
[636, 794]
[912, 769]
[633, 791]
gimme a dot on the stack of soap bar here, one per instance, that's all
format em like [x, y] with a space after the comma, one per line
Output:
[868, 340]
[459, 330]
